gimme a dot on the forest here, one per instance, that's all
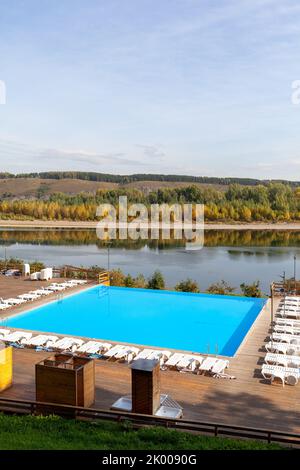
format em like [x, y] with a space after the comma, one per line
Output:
[275, 202]
[125, 179]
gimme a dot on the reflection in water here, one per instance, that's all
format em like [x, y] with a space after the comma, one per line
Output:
[236, 256]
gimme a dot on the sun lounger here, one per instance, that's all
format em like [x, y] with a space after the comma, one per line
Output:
[219, 366]
[289, 303]
[159, 355]
[287, 375]
[93, 347]
[16, 337]
[286, 338]
[29, 296]
[287, 308]
[127, 354]
[288, 313]
[283, 348]
[13, 301]
[40, 292]
[279, 328]
[98, 348]
[4, 306]
[67, 344]
[174, 359]
[287, 322]
[144, 354]
[3, 333]
[292, 298]
[189, 363]
[39, 341]
[55, 288]
[207, 364]
[283, 360]
[113, 351]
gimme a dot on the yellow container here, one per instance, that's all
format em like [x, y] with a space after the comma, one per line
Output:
[6, 368]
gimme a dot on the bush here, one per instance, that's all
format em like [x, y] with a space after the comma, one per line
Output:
[117, 278]
[140, 282]
[156, 281]
[221, 288]
[187, 286]
[251, 290]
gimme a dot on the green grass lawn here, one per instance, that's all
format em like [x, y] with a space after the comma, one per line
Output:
[28, 432]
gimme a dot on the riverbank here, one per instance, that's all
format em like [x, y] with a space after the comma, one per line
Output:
[69, 224]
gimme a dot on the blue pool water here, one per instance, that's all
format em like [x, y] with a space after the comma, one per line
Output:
[192, 322]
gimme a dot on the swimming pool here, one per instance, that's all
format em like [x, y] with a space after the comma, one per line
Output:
[192, 322]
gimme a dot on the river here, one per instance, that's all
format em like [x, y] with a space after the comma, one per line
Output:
[235, 256]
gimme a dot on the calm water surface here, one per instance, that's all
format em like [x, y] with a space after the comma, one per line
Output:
[233, 256]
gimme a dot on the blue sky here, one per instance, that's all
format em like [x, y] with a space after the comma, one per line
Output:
[199, 87]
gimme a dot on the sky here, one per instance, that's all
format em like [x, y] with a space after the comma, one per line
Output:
[198, 87]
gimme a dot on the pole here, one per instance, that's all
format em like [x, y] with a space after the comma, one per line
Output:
[108, 258]
[272, 305]
[295, 267]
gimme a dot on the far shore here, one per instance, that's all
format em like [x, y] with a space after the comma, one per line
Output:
[68, 224]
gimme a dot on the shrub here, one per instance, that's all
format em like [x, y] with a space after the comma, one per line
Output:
[251, 290]
[156, 281]
[187, 286]
[221, 288]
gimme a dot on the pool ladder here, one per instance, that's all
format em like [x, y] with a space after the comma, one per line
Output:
[103, 291]
[216, 349]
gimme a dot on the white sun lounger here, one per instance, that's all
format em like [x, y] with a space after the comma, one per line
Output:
[93, 347]
[285, 338]
[127, 354]
[293, 330]
[67, 344]
[113, 351]
[17, 337]
[288, 313]
[40, 292]
[292, 298]
[189, 362]
[29, 296]
[144, 354]
[283, 360]
[4, 306]
[283, 348]
[219, 366]
[39, 341]
[161, 356]
[287, 322]
[98, 348]
[174, 359]
[287, 375]
[288, 303]
[3, 333]
[288, 308]
[207, 364]
[76, 282]
[55, 288]
[13, 301]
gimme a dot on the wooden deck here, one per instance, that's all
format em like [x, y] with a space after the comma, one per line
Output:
[12, 286]
[249, 400]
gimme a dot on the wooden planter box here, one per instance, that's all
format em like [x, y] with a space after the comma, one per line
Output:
[6, 368]
[65, 379]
